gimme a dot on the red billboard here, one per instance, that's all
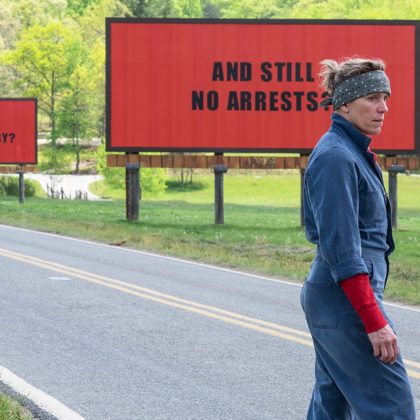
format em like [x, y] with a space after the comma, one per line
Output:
[247, 86]
[18, 131]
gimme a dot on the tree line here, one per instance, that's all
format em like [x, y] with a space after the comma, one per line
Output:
[55, 49]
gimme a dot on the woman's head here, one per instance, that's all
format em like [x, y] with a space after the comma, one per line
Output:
[359, 89]
[333, 73]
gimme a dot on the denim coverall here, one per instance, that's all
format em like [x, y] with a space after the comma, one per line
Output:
[347, 215]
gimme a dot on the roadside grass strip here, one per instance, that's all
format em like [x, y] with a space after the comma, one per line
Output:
[41, 400]
[265, 327]
[12, 410]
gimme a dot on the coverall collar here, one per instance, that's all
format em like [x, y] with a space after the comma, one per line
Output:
[350, 131]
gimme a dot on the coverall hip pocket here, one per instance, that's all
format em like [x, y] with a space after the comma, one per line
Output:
[320, 305]
[377, 276]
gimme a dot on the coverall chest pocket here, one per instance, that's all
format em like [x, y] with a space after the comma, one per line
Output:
[372, 208]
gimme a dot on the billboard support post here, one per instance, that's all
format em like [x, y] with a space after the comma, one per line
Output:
[21, 185]
[219, 171]
[393, 171]
[303, 159]
[302, 183]
[132, 191]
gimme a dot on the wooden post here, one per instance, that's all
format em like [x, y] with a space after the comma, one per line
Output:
[219, 171]
[303, 162]
[393, 171]
[302, 184]
[21, 185]
[132, 191]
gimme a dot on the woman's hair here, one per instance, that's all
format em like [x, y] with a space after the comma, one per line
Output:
[333, 73]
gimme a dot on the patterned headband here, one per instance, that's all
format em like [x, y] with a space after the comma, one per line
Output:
[356, 87]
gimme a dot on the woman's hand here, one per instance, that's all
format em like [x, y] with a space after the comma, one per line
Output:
[385, 344]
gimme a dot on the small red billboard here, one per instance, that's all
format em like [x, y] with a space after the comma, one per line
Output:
[247, 86]
[18, 131]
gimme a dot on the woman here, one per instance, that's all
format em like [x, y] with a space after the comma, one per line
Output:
[359, 373]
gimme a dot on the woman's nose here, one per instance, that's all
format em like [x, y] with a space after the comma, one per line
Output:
[383, 107]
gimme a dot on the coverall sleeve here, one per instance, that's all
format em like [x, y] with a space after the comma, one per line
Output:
[332, 191]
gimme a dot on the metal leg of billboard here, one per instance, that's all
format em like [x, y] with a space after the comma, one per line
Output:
[132, 191]
[21, 172]
[302, 181]
[393, 171]
[219, 171]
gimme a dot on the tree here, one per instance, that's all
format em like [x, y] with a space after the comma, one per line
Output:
[187, 8]
[137, 7]
[92, 22]
[210, 10]
[8, 26]
[78, 7]
[16, 16]
[75, 117]
[254, 9]
[8, 31]
[92, 30]
[356, 9]
[43, 65]
[165, 8]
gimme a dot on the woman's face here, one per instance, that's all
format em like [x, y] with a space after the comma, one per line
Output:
[367, 113]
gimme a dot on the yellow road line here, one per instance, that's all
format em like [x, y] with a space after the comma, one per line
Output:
[411, 363]
[85, 275]
[169, 300]
[270, 328]
[412, 373]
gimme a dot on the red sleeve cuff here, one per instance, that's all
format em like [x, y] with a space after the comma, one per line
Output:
[360, 294]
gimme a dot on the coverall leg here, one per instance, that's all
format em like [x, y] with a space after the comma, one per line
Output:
[350, 382]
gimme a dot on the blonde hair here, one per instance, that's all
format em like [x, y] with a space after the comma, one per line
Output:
[333, 73]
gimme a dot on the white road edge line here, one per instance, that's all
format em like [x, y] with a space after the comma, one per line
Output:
[215, 267]
[38, 397]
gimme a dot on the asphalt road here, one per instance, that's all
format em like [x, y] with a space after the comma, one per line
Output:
[118, 334]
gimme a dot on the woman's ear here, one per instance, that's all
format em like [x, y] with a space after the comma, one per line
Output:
[344, 108]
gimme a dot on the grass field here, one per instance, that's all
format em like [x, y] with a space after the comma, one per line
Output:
[261, 234]
[12, 410]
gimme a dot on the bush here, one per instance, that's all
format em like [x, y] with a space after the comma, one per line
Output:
[152, 180]
[9, 185]
[56, 160]
[176, 185]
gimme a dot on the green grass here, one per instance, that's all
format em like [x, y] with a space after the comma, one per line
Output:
[261, 234]
[11, 410]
